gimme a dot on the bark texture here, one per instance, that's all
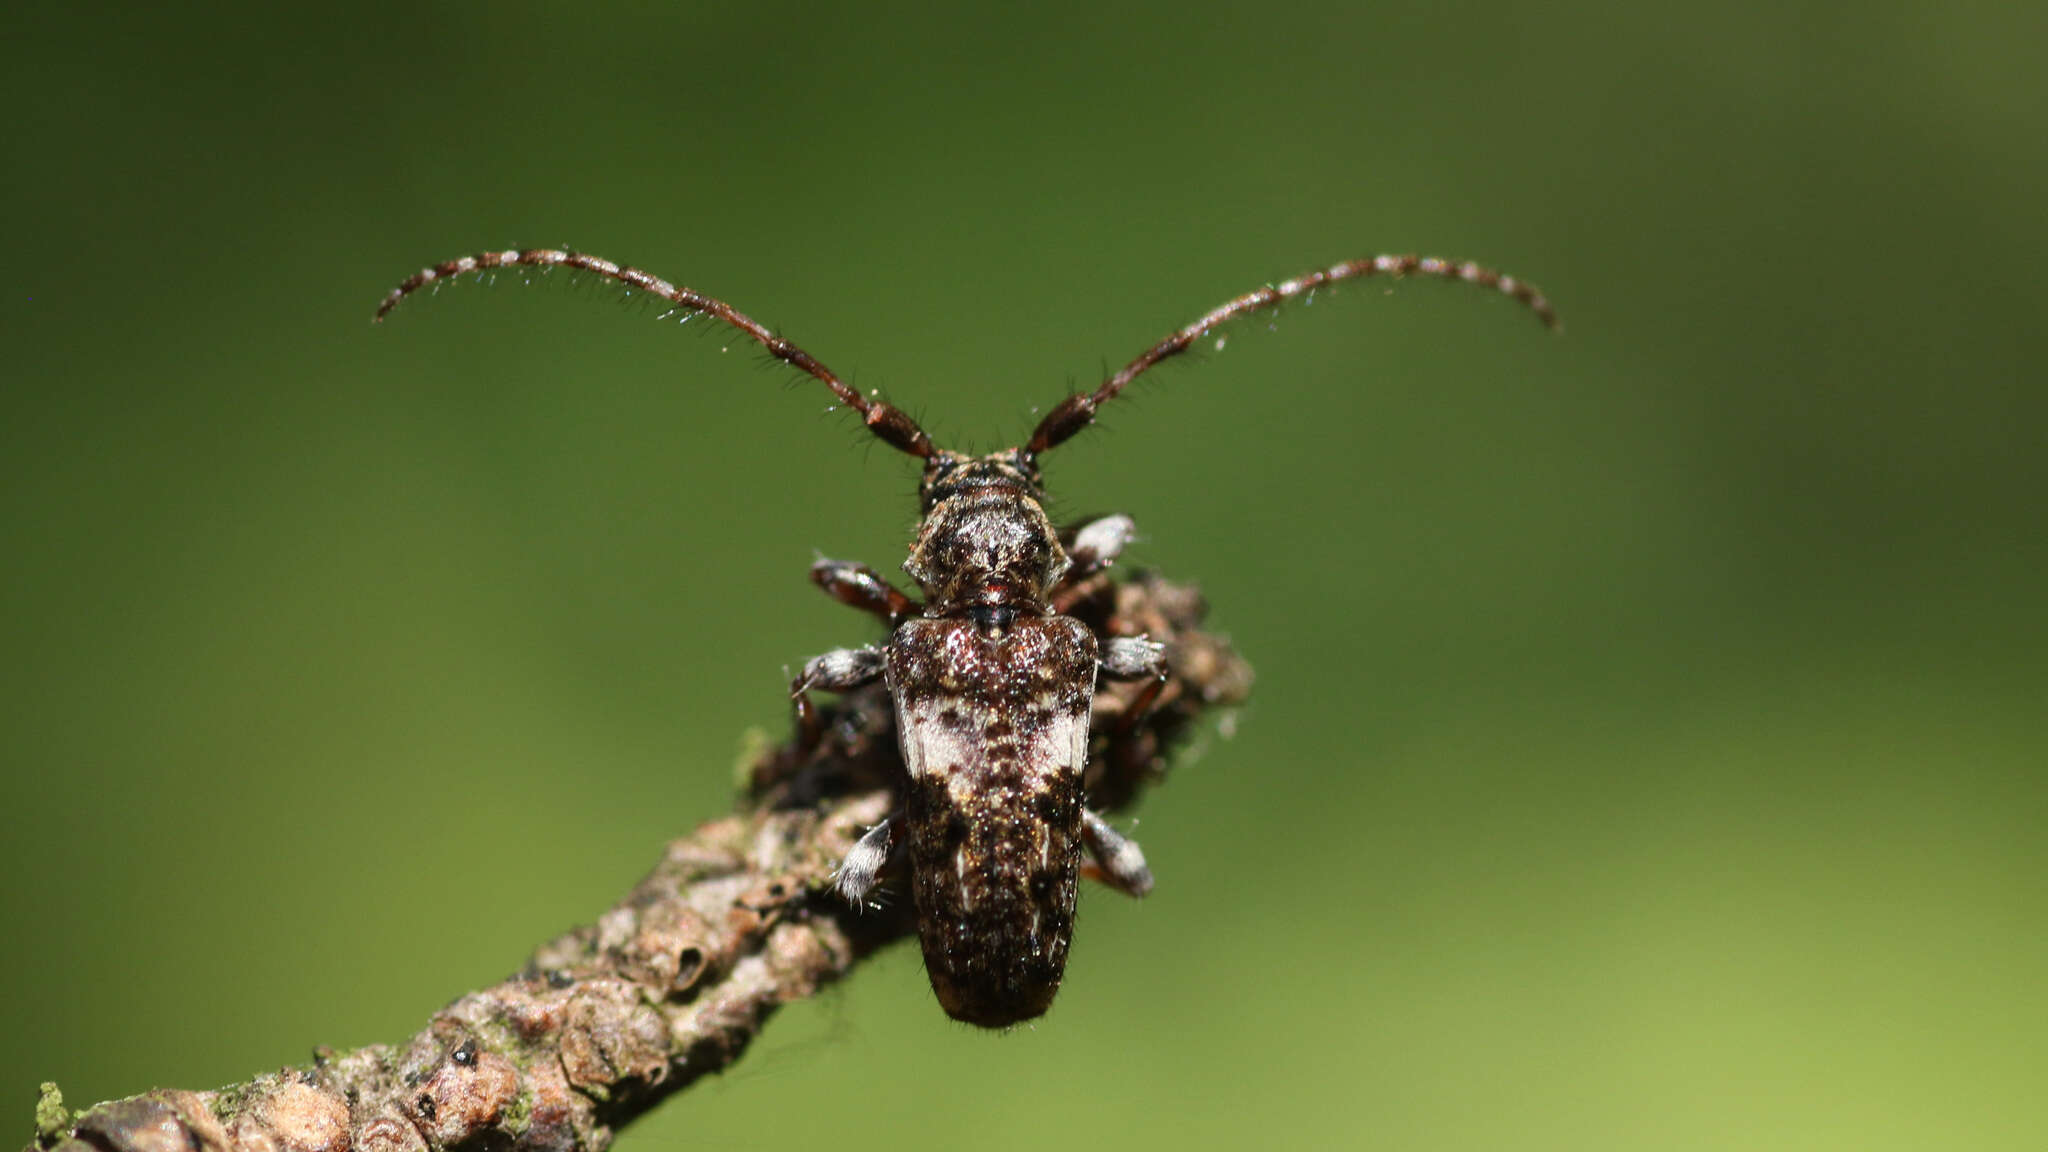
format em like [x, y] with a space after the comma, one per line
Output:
[672, 982]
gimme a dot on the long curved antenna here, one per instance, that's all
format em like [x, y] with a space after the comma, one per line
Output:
[888, 422]
[1078, 411]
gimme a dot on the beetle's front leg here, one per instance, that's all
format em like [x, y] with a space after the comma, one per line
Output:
[840, 670]
[859, 586]
[1099, 542]
[1096, 546]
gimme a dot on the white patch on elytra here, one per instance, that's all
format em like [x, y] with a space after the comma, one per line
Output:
[960, 871]
[930, 744]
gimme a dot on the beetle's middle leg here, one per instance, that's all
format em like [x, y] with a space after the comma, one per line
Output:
[1136, 658]
[1133, 658]
[856, 586]
[840, 670]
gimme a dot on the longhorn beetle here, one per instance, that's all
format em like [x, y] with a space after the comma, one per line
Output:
[993, 683]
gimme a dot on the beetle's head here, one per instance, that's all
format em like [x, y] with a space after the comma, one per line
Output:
[948, 474]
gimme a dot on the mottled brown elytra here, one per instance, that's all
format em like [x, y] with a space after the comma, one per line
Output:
[993, 682]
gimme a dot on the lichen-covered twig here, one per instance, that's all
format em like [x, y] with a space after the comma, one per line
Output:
[602, 1023]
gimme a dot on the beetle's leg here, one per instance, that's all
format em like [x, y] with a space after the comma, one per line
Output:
[1099, 542]
[1136, 658]
[1133, 658]
[1096, 546]
[1116, 859]
[859, 586]
[1075, 592]
[840, 670]
[857, 873]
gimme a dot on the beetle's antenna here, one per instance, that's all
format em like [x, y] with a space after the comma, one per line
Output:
[1078, 411]
[889, 423]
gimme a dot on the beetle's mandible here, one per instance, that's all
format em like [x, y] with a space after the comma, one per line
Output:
[993, 682]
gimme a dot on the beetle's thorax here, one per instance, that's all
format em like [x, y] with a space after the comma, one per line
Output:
[985, 547]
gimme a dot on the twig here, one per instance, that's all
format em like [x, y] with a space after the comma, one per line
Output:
[671, 983]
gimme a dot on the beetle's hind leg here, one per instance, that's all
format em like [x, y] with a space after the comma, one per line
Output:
[857, 874]
[1114, 858]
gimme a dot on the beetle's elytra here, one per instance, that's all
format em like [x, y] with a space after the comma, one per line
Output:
[992, 680]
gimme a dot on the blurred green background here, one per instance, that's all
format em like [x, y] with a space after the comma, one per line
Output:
[1648, 746]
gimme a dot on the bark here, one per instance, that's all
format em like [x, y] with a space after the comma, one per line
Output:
[672, 982]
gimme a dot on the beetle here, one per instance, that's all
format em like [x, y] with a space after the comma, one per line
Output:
[992, 681]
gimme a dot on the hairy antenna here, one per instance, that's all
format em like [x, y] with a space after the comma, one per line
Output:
[889, 423]
[1078, 411]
